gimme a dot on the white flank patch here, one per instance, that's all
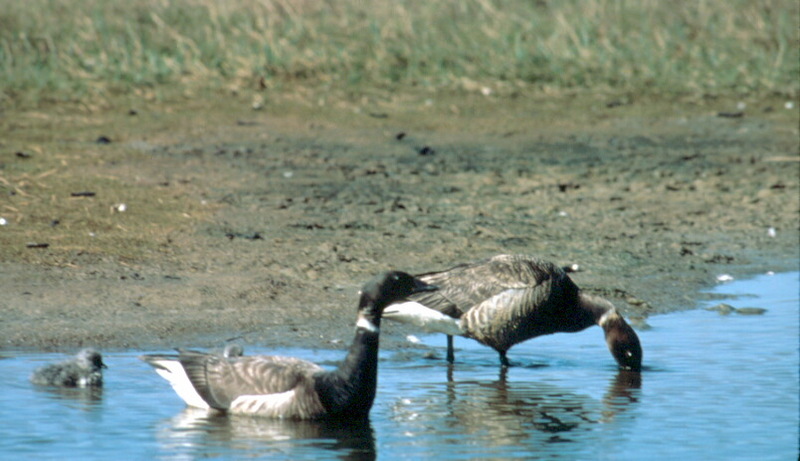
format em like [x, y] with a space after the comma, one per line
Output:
[367, 325]
[424, 317]
[174, 373]
[274, 405]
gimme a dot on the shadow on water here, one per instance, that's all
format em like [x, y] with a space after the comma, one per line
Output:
[197, 433]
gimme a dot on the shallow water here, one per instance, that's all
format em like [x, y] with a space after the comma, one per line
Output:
[715, 386]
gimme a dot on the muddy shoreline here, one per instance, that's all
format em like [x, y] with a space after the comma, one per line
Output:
[260, 226]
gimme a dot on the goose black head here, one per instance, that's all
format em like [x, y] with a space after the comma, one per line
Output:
[623, 343]
[90, 359]
[389, 287]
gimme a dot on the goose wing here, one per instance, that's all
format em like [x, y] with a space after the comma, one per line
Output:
[266, 385]
[220, 381]
[500, 280]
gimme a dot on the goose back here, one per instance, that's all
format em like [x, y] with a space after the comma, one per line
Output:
[220, 381]
[269, 386]
[507, 299]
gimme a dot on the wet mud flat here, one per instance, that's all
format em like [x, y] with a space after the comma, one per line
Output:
[262, 225]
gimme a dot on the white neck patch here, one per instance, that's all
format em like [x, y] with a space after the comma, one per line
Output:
[609, 315]
[364, 323]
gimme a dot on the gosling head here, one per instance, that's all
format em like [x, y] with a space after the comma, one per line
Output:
[90, 359]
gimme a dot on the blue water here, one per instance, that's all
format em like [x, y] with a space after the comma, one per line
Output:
[715, 386]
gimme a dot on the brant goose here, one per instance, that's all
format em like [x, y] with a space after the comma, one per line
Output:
[83, 370]
[233, 350]
[507, 299]
[287, 387]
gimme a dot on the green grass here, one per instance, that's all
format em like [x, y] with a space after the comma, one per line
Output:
[78, 49]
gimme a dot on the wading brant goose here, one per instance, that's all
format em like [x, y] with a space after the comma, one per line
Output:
[507, 299]
[287, 387]
[83, 370]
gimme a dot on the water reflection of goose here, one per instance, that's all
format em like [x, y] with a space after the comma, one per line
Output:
[508, 299]
[287, 387]
[622, 392]
[195, 433]
[87, 399]
[502, 413]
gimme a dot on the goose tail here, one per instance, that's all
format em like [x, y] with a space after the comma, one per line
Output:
[171, 369]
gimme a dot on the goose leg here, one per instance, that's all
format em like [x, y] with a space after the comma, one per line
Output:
[503, 359]
[450, 355]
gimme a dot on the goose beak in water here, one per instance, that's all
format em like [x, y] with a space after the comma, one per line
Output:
[625, 347]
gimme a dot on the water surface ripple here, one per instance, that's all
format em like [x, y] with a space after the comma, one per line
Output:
[714, 386]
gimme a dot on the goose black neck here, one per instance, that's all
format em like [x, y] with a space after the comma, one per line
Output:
[349, 390]
[597, 307]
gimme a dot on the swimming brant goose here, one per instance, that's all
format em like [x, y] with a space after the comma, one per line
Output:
[508, 299]
[83, 370]
[287, 387]
[233, 350]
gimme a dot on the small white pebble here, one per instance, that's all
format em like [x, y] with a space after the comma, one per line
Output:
[3, 221]
[486, 91]
[288, 174]
[724, 278]
[563, 213]
[772, 232]
[120, 207]
[413, 339]
[92, 234]
[789, 105]
[741, 105]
